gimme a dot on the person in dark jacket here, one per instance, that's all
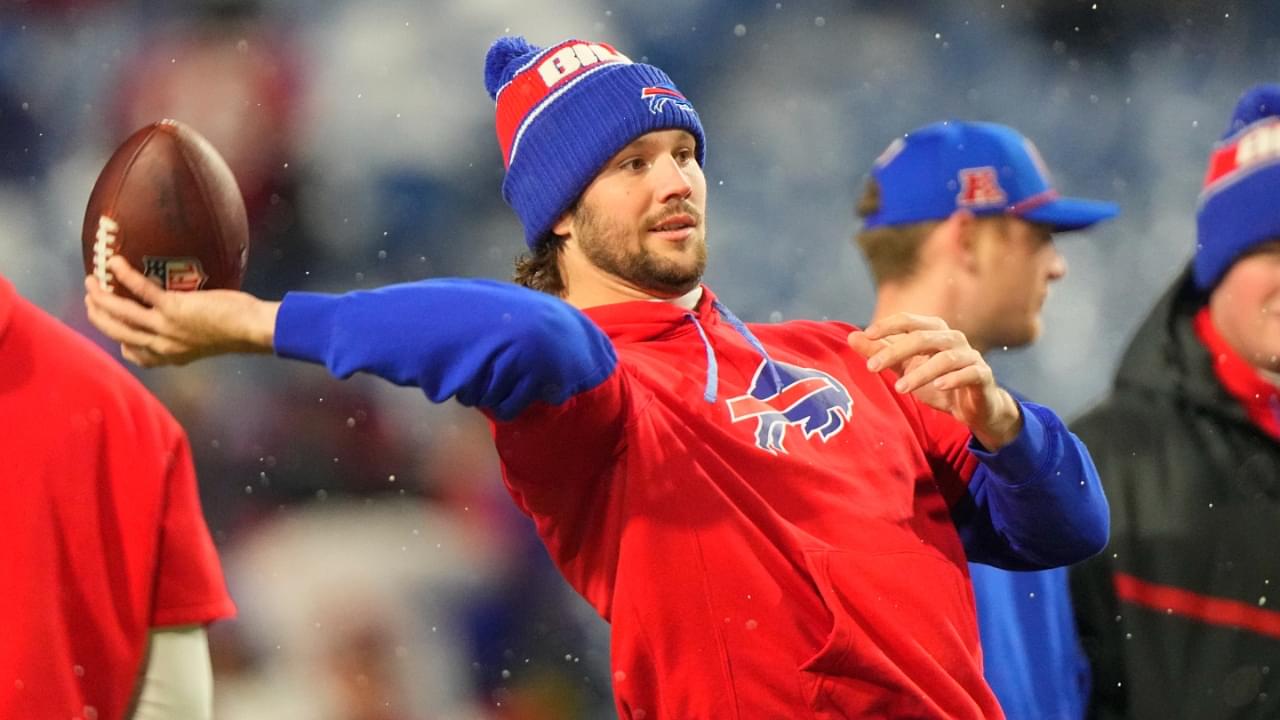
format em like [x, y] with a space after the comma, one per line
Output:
[1181, 615]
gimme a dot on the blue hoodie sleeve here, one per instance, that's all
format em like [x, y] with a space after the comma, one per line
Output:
[491, 345]
[1037, 502]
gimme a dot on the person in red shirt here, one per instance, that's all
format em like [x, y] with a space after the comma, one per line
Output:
[107, 571]
[774, 518]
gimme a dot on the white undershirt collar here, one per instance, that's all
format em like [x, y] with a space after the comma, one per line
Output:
[688, 301]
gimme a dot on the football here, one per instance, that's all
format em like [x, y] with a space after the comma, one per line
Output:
[168, 203]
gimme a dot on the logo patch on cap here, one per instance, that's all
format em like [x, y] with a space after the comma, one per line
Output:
[980, 187]
[659, 96]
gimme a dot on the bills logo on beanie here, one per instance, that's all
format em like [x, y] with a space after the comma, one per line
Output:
[563, 111]
[1240, 204]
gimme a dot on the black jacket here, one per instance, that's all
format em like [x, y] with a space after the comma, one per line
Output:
[1181, 614]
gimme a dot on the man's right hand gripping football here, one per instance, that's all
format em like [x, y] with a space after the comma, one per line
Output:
[175, 328]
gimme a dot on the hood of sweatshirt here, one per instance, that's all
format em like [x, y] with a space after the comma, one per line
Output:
[651, 320]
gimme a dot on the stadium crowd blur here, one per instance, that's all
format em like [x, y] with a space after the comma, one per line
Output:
[380, 570]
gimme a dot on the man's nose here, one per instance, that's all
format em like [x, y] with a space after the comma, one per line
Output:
[673, 181]
[1057, 265]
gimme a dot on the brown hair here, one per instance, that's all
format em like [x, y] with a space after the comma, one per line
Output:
[892, 251]
[540, 270]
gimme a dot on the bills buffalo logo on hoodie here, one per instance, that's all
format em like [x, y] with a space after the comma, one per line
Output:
[659, 96]
[807, 399]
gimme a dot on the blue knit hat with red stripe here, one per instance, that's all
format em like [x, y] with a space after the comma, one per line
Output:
[1240, 203]
[563, 111]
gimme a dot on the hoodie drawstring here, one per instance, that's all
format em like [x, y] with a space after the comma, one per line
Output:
[713, 368]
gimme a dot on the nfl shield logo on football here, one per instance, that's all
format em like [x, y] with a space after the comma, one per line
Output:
[175, 273]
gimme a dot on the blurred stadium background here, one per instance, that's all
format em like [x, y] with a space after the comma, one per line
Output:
[379, 569]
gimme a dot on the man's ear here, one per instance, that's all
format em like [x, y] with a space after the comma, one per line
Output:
[564, 224]
[957, 238]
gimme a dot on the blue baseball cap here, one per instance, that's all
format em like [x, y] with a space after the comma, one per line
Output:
[986, 168]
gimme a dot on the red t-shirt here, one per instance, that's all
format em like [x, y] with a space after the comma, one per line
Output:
[101, 532]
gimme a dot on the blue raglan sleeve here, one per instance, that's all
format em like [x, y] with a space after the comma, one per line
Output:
[1037, 502]
[490, 345]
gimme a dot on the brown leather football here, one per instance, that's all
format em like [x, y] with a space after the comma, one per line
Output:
[168, 203]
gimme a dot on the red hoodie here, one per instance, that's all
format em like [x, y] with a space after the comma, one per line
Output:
[821, 578]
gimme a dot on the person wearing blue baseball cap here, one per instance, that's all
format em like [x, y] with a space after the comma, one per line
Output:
[958, 222]
[1178, 616]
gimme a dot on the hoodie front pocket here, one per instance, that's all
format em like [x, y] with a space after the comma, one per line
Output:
[903, 641]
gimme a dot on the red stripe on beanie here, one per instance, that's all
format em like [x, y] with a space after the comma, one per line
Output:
[1221, 163]
[1255, 146]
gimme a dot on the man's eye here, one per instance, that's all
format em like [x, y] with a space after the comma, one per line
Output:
[634, 164]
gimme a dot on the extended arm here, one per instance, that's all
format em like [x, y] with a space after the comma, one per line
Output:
[491, 345]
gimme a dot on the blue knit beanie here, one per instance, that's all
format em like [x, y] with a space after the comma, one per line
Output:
[1240, 203]
[563, 111]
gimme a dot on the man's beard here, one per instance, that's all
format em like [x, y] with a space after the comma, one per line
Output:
[610, 247]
